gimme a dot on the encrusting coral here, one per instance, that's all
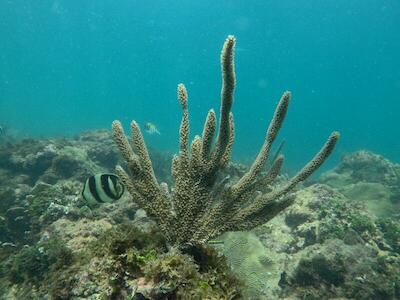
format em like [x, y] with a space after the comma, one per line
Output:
[202, 206]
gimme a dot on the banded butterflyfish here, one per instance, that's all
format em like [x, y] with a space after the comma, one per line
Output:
[102, 188]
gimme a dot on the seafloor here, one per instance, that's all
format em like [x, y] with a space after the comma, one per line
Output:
[341, 238]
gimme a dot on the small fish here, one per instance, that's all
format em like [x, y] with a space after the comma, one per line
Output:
[101, 188]
[151, 128]
[2, 130]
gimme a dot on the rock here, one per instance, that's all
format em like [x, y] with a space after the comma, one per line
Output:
[46, 203]
[7, 196]
[369, 167]
[367, 177]
[78, 234]
[335, 269]
[18, 222]
[351, 237]
[101, 148]
[294, 219]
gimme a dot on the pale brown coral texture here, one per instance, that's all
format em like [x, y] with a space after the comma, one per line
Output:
[202, 205]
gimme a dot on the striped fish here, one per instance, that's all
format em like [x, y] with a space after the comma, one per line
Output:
[101, 188]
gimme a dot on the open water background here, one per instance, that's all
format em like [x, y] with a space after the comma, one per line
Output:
[70, 66]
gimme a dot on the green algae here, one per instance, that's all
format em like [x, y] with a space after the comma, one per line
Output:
[34, 264]
[391, 232]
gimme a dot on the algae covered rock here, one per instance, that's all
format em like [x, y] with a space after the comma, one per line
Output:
[321, 213]
[376, 196]
[51, 160]
[335, 269]
[370, 178]
[125, 261]
[391, 232]
[46, 203]
[100, 148]
[32, 264]
[369, 167]
[79, 234]
[94, 259]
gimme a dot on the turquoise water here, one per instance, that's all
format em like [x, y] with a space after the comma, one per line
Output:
[70, 66]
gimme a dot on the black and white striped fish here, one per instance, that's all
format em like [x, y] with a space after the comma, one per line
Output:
[101, 188]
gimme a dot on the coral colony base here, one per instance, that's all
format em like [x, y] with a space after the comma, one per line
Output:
[202, 205]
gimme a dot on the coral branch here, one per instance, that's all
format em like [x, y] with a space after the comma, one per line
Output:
[123, 144]
[228, 86]
[184, 129]
[208, 134]
[273, 129]
[227, 155]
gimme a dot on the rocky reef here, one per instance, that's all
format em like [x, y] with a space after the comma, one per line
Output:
[328, 244]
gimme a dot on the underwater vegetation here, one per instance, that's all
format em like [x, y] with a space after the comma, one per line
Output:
[33, 263]
[202, 206]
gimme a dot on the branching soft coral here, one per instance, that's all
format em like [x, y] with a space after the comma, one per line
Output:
[200, 207]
